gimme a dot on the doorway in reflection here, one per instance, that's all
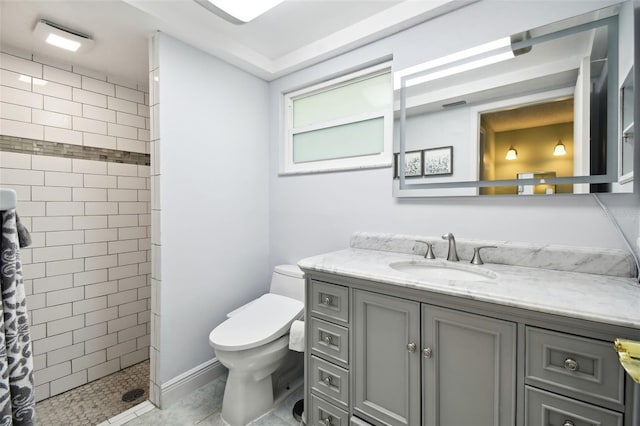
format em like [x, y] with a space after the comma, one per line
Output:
[525, 142]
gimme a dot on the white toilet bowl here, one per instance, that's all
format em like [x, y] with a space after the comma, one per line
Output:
[253, 343]
[249, 390]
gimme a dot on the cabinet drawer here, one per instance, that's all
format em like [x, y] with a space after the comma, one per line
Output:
[548, 409]
[329, 340]
[330, 381]
[325, 414]
[356, 421]
[578, 367]
[330, 301]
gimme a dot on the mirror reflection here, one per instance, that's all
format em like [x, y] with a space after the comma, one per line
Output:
[536, 113]
[530, 142]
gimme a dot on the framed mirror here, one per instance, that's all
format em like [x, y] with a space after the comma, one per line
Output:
[540, 112]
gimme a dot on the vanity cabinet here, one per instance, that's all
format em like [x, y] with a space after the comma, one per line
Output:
[327, 364]
[468, 369]
[382, 355]
[406, 355]
[386, 359]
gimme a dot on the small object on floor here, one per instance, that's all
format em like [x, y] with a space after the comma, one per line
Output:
[132, 395]
[298, 408]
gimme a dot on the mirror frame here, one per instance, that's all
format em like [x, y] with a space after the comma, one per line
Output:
[404, 189]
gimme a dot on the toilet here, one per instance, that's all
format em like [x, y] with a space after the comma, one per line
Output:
[254, 342]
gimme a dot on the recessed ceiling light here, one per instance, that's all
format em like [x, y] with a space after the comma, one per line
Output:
[62, 37]
[63, 42]
[239, 11]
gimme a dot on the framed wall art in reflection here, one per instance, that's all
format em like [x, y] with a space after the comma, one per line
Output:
[438, 161]
[412, 164]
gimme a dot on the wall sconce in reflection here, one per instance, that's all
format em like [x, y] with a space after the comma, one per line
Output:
[512, 154]
[559, 149]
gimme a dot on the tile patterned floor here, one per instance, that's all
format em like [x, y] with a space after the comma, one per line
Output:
[94, 402]
[203, 407]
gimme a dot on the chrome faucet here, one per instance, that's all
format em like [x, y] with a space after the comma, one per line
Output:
[453, 254]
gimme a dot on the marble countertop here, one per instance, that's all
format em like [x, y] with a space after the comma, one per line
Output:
[601, 298]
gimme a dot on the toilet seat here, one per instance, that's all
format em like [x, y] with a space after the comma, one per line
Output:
[262, 321]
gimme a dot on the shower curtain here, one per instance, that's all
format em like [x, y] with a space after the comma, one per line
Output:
[17, 399]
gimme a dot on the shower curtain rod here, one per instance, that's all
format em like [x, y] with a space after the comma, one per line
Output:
[8, 199]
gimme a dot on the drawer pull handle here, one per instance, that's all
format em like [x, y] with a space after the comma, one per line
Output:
[326, 301]
[328, 380]
[411, 347]
[328, 421]
[427, 352]
[571, 365]
[568, 423]
[327, 340]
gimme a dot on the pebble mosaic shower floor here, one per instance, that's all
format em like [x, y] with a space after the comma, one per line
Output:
[94, 402]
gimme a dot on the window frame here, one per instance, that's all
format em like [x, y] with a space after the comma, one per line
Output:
[381, 159]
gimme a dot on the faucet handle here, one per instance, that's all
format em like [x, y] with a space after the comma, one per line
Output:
[477, 260]
[429, 254]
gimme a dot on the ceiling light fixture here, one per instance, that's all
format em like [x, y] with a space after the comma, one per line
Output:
[559, 149]
[239, 11]
[62, 37]
[512, 154]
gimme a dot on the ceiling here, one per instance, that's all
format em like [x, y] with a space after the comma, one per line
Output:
[525, 117]
[294, 34]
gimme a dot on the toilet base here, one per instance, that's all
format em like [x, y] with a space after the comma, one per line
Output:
[246, 400]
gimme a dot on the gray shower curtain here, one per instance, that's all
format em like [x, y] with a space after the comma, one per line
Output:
[17, 399]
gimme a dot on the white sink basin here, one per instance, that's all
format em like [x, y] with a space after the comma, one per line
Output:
[440, 271]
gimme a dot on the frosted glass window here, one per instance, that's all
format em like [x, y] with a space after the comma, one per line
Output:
[345, 123]
[348, 140]
[364, 96]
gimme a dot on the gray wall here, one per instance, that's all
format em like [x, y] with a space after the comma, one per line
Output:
[213, 198]
[311, 214]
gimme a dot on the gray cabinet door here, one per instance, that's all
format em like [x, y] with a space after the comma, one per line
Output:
[385, 366]
[469, 369]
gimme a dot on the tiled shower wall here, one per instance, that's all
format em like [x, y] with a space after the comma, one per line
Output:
[87, 273]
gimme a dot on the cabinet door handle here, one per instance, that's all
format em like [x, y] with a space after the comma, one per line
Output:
[327, 340]
[327, 380]
[411, 347]
[427, 352]
[326, 301]
[328, 421]
[571, 365]
[568, 423]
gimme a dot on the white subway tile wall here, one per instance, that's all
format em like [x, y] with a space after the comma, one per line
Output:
[39, 101]
[153, 241]
[87, 274]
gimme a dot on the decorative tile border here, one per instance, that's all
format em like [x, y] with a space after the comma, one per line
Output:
[55, 149]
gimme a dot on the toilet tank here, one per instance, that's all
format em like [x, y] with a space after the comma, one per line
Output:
[288, 280]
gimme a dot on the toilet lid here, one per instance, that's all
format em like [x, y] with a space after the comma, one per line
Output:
[268, 318]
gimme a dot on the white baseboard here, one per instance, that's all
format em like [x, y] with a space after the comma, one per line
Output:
[189, 381]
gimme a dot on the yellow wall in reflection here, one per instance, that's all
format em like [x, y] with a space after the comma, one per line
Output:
[535, 154]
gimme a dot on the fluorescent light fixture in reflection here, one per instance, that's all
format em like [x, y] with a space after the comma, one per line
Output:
[239, 11]
[62, 37]
[455, 57]
[460, 68]
[512, 154]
